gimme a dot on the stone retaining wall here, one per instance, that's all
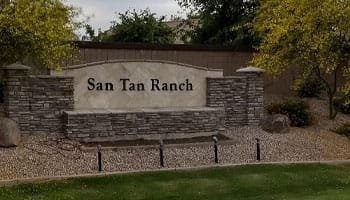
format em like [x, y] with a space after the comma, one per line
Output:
[150, 123]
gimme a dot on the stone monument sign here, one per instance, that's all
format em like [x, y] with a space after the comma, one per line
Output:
[132, 99]
[139, 84]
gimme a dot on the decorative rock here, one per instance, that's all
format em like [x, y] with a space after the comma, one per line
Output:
[10, 134]
[276, 123]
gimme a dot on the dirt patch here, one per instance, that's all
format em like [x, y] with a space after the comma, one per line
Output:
[143, 142]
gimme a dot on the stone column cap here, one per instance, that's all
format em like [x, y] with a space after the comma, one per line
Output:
[16, 66]
[250, 69]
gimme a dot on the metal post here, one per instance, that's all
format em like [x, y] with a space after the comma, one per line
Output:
[99, 158]
[161, 153]
[216, 149]
[257, 149]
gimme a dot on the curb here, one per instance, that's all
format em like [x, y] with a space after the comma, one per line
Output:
[12, 182]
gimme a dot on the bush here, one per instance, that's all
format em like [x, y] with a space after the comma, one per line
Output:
[342, 105]
[343, 130]
[312, 87]
[295, 110]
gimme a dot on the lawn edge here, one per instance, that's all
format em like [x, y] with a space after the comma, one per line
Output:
[11, 182]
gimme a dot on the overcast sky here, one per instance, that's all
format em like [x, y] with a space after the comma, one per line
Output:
[102, 12]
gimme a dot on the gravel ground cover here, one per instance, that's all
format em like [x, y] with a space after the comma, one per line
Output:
[39, 156]
[53, 156]
[144, 142]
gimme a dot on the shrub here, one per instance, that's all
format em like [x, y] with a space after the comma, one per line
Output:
[295, 110]
[343, 130]
[312, 87]
[342, 105]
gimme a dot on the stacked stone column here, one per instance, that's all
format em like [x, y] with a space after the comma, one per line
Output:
[16, 97]
[255, 94]
[242, 97]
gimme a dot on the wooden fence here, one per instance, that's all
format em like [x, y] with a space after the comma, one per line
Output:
[217, 57]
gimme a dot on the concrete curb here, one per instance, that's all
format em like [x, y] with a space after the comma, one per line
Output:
[12, 182]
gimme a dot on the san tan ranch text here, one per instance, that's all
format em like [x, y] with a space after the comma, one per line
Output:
[125, 84]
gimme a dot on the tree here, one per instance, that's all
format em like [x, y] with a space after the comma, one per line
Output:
[91, 36]
[227, 22]
[39, 31]
[141, 27]
[311, 34]
[89, 33]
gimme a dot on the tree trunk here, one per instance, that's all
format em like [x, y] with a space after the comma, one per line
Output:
[331, 94]
[332, 111]
[331, 91]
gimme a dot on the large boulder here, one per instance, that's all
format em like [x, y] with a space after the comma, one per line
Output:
[10, 134]
[276, 123]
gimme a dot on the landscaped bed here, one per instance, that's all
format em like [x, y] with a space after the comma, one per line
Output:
[39, 156]
[297, 181]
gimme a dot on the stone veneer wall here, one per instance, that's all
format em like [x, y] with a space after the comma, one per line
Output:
[241, 97]
[230, 94]
[36, 103]
[148, 123]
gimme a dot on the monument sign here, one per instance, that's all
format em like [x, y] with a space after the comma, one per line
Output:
[131, 99]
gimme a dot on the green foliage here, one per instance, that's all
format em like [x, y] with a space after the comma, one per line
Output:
[342, 105]
[227, 22]
[343, 130]
[90, 34]
[311, 34]
[142, 27]
[345, 107]
[36, 30]
[297, 112]
[311, 87]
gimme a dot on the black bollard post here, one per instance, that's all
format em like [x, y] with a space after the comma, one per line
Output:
[216, 149]
[161, 153]
[257, 149]
[99, 158]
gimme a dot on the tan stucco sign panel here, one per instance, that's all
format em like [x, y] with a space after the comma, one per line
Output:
[139, 84]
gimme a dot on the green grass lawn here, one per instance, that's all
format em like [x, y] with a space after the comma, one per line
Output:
[297, 181]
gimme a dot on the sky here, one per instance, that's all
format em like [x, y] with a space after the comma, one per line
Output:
[102, 12]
